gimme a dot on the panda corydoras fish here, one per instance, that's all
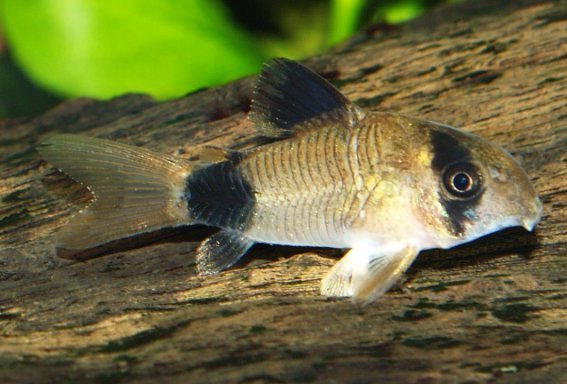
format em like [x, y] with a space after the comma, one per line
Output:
[380, 185]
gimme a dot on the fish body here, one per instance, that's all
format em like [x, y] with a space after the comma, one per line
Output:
[382, 185]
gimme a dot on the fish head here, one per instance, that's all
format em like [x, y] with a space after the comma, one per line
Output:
[479, 188]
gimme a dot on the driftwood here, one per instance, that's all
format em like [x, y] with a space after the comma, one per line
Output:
[495, 310]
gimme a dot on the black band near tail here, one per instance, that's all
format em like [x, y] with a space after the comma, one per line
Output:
[219, 195]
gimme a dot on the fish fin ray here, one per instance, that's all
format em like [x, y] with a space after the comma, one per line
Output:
[338, 281]
[221, 251]
[366, 274]
[135, 190]
[289, 97]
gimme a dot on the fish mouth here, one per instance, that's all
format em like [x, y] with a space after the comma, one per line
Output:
[531, 221]
[529, 224]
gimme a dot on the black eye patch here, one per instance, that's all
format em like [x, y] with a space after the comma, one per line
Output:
[447, 150]
[460, 180]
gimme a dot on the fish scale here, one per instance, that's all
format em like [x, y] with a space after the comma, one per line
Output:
[309, 214]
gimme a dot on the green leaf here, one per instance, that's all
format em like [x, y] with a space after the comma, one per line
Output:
[345, 17]
[403, 11]
[102, 48]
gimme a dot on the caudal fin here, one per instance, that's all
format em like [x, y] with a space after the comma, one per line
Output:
[135, 190]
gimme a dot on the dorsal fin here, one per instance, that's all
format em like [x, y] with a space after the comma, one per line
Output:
[289, 97]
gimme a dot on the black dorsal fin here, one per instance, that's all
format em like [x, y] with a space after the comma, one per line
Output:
[289, 97]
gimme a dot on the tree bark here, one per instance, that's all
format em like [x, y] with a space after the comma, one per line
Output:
[494, 310]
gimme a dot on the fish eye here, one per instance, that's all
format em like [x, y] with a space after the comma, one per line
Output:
[462, 180]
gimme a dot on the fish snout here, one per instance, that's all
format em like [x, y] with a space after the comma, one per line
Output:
[532, 216]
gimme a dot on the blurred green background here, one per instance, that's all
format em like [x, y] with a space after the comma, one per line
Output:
[56, 49]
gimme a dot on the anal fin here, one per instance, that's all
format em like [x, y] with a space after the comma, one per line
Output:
[221, 251]
[365, 274]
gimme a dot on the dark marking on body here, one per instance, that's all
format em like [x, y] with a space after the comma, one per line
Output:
[448, 150]
[220, 196]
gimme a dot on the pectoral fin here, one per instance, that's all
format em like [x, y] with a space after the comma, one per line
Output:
[365, 274]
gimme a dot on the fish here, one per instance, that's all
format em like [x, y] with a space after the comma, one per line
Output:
[380, 185]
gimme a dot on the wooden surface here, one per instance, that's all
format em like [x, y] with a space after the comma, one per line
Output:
[493, 311]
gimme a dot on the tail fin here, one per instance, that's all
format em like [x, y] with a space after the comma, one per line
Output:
[135, 190]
